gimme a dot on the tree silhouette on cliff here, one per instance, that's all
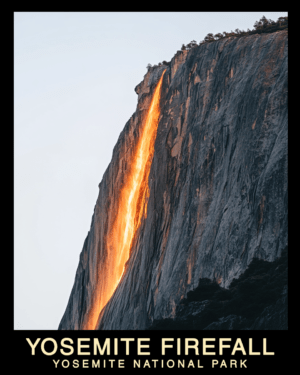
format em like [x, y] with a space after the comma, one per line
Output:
[263, 25]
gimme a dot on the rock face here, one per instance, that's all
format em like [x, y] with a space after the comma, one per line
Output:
[217, 185]
[256, 300]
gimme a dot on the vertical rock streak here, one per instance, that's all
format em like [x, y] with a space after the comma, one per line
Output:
[132, 204]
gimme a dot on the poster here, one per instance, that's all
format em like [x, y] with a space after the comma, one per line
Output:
[150, 201]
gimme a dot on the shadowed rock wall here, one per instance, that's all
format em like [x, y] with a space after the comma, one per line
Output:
[218, 181]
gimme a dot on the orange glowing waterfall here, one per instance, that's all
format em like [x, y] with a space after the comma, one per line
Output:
[131, 207]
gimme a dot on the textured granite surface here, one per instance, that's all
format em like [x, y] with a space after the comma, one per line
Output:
[218, 183]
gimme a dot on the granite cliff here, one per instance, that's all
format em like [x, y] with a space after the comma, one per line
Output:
[217, 190]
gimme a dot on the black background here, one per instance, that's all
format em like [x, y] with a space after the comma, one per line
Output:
[279, 342]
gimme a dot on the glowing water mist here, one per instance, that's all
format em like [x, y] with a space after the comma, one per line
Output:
[132, 206]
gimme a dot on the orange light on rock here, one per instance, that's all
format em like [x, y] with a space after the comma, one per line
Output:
[132, 206]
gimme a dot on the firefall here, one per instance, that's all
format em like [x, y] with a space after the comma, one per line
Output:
[131, 208]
